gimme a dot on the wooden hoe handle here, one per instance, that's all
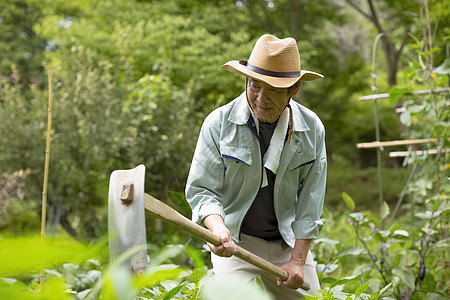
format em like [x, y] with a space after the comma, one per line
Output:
[167, 213]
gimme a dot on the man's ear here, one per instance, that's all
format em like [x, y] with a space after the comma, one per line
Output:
[296, 87]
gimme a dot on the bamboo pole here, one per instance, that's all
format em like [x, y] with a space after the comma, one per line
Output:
[47, 158]
[377, 122]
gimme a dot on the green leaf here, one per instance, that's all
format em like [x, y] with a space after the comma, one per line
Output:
[444, 68]
[117, 284]
[344, 280]
[429, 231]
[53, 272]
[357, 216]
[406, 276]
[150, 279]
[403, 233]
[436, 296]
[414, 109]
[385, 210]
[9, 280]
[405, 118]
[328, 280]
[395, 93]
[361, 289]
[198, 274]
[350, 251]
[23, 254]
[431, 51]
[328, 268]
[384, 289]
[36, 286]
[83, 294]
[165, 254]
[375, 284]
[196, 256]
[310, 297]
[170, 294]
[349, 201]
[382, 235]
[424, 215]
[55, 288]
[92, 276]
[326, 241]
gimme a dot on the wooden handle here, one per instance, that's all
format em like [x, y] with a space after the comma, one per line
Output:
[167, 213]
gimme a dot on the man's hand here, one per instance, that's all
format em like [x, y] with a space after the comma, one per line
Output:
[216, 225]
[295, 265]
[295, 270]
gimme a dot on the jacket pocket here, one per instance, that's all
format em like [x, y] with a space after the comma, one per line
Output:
[237, 154]
[302, 159]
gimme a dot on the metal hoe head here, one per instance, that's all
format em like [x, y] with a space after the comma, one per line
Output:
[126, 215]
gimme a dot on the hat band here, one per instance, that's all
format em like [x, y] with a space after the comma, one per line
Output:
[271, 73]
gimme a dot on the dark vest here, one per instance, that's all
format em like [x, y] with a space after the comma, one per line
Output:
[260, 220]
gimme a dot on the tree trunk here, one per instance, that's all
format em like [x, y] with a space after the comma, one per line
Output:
[390, 52]
[391, 55]
[293, 16]
[66, 224]
[65, 213]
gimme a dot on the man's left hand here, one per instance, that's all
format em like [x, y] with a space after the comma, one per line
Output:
[295, 270]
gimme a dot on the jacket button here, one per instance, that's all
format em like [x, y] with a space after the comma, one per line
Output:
[297, 141]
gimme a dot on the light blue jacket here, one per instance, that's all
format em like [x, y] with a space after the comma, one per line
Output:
[226, 171]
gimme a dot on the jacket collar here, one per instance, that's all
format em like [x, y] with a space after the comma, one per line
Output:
[240, 113]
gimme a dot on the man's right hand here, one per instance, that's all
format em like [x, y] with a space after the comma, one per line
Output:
[216, 225]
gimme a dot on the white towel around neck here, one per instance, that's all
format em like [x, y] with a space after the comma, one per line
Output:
[272, 157]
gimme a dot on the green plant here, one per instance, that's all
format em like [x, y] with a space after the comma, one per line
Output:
[403, 260]
[77, 271]
[401, 252]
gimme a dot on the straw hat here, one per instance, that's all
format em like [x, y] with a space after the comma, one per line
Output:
[274, 61]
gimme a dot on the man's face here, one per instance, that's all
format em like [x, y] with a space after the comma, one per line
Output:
[267, 102]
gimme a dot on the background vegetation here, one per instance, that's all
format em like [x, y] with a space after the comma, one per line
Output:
[132, 83]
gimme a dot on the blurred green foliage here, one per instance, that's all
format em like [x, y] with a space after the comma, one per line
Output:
[132, 82]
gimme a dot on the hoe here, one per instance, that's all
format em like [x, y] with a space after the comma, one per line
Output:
[127, 202]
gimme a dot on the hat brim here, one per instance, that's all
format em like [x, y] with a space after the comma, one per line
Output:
[278, 82]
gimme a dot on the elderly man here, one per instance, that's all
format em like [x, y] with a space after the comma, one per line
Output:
[259, 171]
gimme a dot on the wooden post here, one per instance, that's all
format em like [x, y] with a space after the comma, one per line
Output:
[395, 143]
[419, 92]
[417, 152]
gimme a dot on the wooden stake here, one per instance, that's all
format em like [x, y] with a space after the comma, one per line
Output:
[47, 158]
[417, 152]
[420, 92]
[394, 143]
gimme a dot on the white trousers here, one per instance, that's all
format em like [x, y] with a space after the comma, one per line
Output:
[278, 253]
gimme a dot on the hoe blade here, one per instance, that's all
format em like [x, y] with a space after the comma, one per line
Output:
[126, 217]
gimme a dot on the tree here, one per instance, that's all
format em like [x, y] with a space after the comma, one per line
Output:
[397, 21]
[124, 91]
[21, 48]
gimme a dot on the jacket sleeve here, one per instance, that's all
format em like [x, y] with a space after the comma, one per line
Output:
[206, 175]
[311, 193]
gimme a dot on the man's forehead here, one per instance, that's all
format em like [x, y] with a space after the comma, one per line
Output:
[258, 81]
[264, 84]
[254, 80]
